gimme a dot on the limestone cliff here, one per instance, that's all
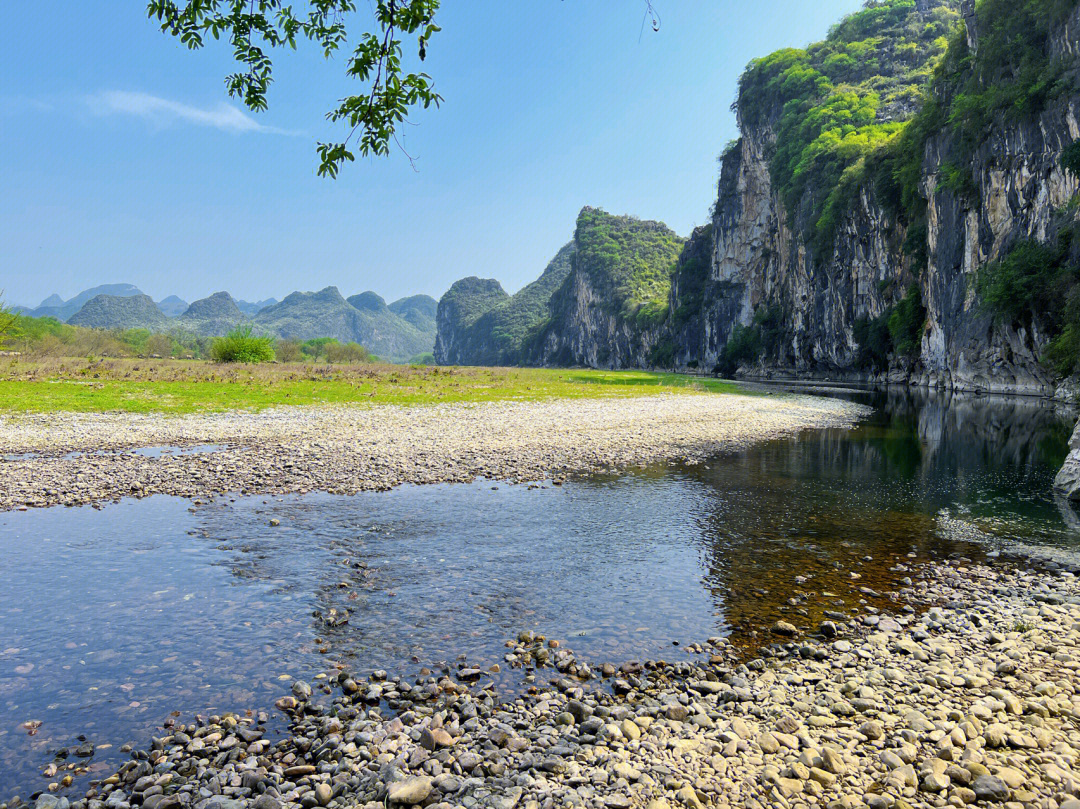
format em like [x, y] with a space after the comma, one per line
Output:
[602, 302]
[611, 309]
[835, 261]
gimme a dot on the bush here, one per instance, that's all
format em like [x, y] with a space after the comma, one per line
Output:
[747, 344]
[288, 351]
[874, 340]
[1070, 158]
[316, 347]
[742, 347]
[663, 354]
[899, 330]
[907, 322]
[346, 353]
[240, 345]
[423, 359]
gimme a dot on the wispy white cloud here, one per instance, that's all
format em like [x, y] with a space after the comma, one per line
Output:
[17, 105]
[164, 112]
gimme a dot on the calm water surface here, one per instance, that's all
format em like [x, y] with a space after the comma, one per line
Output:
[112, 619]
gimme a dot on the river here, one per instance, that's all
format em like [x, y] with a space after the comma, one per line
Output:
[113, 620]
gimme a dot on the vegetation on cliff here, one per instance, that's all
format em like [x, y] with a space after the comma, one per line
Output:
[498, 335]
[897, 331]
[630, 259]
[835, 102]
[623, 262]
[1011, 75]
[859, 112]
[863, 104]
[1036, 285]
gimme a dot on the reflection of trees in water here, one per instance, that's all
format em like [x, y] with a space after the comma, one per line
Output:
[789, 522]
[1025, 433]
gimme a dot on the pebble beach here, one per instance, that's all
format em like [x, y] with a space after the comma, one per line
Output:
[78, 459]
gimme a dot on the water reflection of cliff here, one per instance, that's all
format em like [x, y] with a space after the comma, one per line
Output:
[789, 530]
[796, 529]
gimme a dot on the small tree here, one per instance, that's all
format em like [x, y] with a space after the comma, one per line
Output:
[288, 351]
[9, 321]
[346, 353]
[316, 347]
[160, 345]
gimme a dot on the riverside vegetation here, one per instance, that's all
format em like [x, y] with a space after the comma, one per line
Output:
[186, 386]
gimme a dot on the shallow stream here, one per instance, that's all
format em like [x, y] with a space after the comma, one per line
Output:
[112, 619]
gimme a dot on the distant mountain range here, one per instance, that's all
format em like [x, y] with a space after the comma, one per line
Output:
[395, 331]
[55, 306]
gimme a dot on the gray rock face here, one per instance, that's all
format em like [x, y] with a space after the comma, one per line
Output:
[494, 332]
[1067, 481]
[601, 302]
[459, 310]
[600, 315]
[753, 255]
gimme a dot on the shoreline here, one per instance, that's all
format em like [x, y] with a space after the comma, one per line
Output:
[83, 459]
[969, 699]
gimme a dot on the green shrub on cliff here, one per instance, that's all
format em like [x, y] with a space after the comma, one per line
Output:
[862, 105]
[896, 331]
[747, 344]
[838, 101]
[1070, 158]
[1011, 74]
[907, 321]
[631, 258]
[1037, 284]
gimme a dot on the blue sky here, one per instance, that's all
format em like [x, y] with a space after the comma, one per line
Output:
[124, 161]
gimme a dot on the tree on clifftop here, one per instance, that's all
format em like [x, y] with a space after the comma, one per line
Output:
[254, 27]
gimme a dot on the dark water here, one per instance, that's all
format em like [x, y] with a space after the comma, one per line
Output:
[112, 619]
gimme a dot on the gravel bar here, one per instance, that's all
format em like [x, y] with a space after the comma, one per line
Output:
[78, 459]
[970, 701]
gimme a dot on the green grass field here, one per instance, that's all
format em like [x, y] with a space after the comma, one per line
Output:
[172, 386]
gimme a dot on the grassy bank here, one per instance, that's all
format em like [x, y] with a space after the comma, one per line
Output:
[172, 386]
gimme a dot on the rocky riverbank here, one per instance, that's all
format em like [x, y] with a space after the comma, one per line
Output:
[77, 459]
[972, 700]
